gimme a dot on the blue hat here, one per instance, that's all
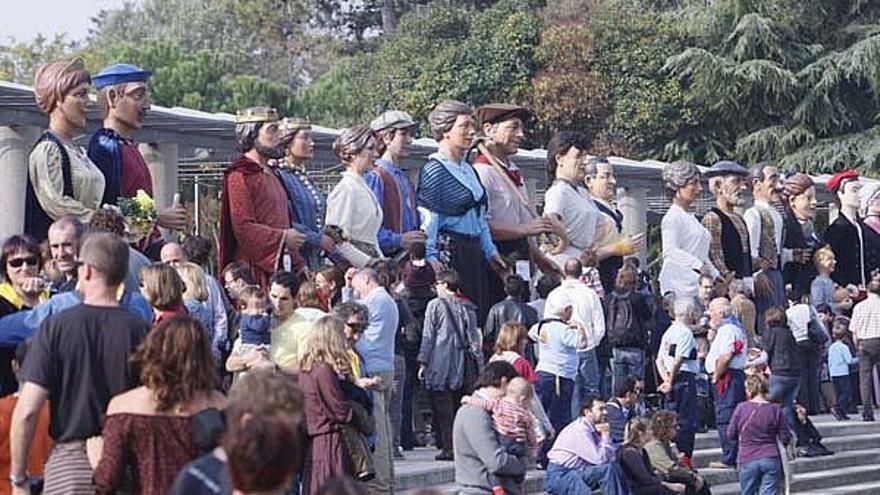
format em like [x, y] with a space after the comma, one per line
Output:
[118, 74]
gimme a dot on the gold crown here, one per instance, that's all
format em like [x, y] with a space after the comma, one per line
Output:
[256, 114]
[293, 124]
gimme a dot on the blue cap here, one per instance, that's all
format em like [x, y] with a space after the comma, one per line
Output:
[118, 74]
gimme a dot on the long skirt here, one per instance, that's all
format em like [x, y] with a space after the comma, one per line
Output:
[463, 254]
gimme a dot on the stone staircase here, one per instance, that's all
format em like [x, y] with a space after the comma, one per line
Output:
[854, 469]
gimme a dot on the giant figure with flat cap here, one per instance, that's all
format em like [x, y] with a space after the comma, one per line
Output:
[123, 101]
[255, 225]
[845, 235]
[512, 221]
[393, 188]
[61, 178]
[729, 248]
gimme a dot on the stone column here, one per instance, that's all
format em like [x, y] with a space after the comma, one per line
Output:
[15, 148]
[633, 203]
[162, 159]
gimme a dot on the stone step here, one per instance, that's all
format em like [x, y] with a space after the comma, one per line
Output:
[702, 458]
[804, 465]
[827, 426]
[839, 480]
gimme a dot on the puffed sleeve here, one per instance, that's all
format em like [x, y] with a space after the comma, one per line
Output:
[48, 180]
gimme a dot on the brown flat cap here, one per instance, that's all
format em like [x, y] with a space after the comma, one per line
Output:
[498, 112]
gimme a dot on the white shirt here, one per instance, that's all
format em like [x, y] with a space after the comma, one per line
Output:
[685, 251]
[724, 342]
[587, 311]
[799, 317]
[682, 337]
[557, 348]
[577, 211]
[752, 216]
[353, 207]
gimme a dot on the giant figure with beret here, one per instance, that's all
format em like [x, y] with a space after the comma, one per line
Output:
[255, 225]
[729, 248]
[845, 234]
[123, 101]
[61, 178]
[512, 220]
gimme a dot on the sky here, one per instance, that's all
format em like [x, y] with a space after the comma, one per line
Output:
[24, 19]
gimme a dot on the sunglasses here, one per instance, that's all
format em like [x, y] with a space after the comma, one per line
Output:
[356, 325]
[17, 262]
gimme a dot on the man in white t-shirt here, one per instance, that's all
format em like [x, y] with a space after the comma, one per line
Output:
[677, 366]
[724, 363]
[586, 311]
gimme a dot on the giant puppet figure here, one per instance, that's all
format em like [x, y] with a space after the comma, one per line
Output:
[729, 248]
[512, 221]
[123, 100]
[611, 242]
[61, 178]
[255, 224]
[845, 235]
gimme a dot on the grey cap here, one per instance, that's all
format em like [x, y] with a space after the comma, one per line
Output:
[724, 168]
[392, 119]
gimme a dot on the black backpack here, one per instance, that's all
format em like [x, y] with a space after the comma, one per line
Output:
[622, 324]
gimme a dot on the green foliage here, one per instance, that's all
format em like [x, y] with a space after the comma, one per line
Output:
[796, 82]
[440, 51]
[19, 61]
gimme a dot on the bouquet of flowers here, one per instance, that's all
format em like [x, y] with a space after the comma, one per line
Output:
[140, 215]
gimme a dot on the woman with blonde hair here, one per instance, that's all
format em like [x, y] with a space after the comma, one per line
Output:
[323, 359]
[351, 205]
[510, 346]
[148, 430]
[639, 474]
[195, 294]
[162, 287]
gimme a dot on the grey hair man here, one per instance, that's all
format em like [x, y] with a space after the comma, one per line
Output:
[724, 363]
[376, 348]
[65, 236]
[678, 366]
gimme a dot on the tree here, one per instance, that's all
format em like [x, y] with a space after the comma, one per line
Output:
[19, 60]
[796, 82]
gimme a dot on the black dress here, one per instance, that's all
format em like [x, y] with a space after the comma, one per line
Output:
[799, 275]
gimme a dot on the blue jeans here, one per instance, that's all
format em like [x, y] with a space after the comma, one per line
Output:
[843, 391]
[626, 361]
[562, 481]
[586, 383]
[555, 393]
[683, 400]
[760, 477]
[724, 406]
[784, 389]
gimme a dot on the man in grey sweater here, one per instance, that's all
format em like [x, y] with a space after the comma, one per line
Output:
[477, 450]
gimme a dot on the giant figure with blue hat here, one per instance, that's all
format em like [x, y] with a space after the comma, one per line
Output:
[123, 101]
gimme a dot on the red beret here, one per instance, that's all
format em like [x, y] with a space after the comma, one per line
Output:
[834, 183]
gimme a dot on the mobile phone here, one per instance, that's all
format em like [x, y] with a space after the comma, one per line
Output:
[672, 349]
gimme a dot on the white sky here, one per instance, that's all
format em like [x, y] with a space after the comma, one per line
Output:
[24, 19]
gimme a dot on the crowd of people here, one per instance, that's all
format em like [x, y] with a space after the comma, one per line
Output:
[342, 331]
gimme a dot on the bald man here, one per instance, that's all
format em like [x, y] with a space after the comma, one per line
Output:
[172, 254]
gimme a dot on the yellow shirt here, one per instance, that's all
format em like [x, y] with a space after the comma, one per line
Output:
[288, 337]
[355, 364]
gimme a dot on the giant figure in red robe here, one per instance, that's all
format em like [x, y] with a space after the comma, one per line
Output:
[255, 225]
